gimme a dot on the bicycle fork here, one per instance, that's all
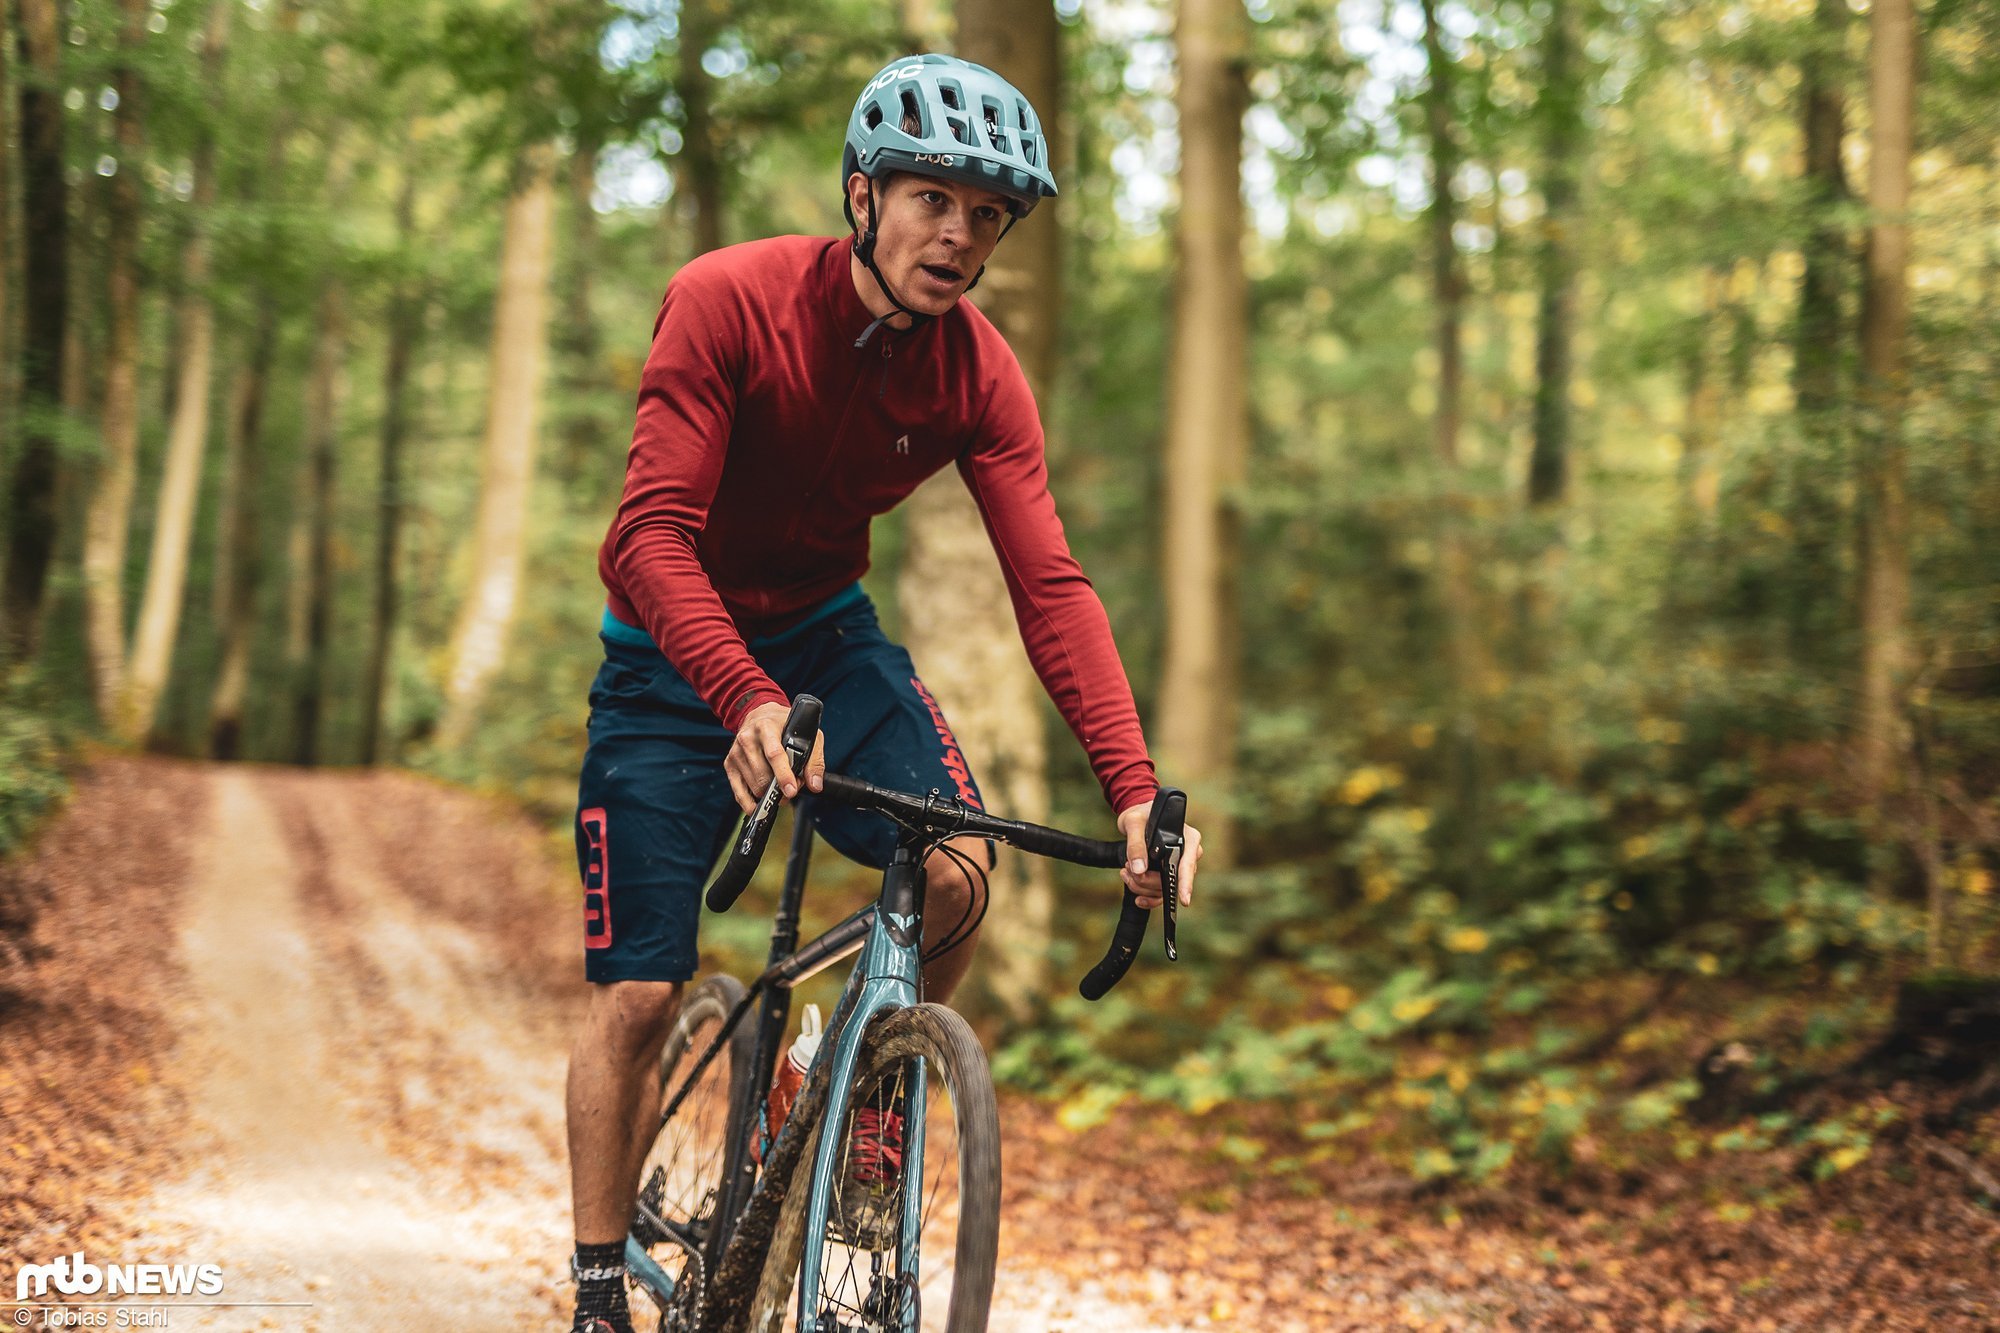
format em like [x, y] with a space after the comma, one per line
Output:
[890, 968]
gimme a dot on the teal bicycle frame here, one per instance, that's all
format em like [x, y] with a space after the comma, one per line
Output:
[888, 935]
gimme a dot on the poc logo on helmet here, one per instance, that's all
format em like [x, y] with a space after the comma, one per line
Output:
[938, 159]
[889, 76]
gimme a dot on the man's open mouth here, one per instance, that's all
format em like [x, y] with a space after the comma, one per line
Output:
[942, 273]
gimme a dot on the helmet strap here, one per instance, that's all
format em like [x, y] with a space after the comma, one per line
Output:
[864, 250]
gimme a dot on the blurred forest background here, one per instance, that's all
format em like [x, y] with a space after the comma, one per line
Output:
[1537, 458]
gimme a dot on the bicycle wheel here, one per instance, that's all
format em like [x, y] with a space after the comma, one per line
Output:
[876, 1275]
[680, 1180]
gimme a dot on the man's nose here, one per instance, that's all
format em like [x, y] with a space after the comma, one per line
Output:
[957, 228]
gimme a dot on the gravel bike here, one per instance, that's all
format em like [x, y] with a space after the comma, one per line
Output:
[742, 1224]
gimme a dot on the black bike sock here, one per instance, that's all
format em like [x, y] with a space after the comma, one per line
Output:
[600, 1286]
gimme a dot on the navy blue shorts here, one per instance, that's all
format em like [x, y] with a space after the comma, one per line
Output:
[654, 808]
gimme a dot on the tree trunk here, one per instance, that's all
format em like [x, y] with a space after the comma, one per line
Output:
[245, 556]
[1561, 114]
[187, 436]
[700, 156]
[1701, 476]
[110, 516]
[31, 489]
[1465, 658]
[1208, 416]
[514, 396]
[1885, 313]
[957, 619]
[325, 398]
[240, 564]
[1817, 345]
[405, 313]
[10, 241]
[585, 436]
[1819, 468]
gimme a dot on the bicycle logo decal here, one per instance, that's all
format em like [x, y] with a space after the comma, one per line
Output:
[596, 880]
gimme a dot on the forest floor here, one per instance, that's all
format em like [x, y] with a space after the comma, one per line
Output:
[312, 1027]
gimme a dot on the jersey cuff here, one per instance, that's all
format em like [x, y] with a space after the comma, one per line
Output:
[732, 719]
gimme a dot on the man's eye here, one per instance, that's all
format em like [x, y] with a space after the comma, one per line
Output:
[932, 197]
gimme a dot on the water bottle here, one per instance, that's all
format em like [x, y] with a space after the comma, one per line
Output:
[789, 1078]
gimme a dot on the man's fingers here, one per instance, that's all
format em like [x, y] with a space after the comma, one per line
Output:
[781, 768]
[744, 800]
[1190, 861]
[816, 764]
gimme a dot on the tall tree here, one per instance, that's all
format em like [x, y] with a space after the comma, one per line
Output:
[242, 529]
[326, 397]
[31, 489]
[1455, 586]
[956, 614]
[109, 520]
[187, 436]
[1208, 411]
[1823, 108]
[586, 432]
[1560, 110]
[1885, 317]
[405, 317]
[514, 395]
[10, 238]
[243, 558]
[700, 158]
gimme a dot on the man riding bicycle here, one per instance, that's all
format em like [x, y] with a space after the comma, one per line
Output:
[796, 388]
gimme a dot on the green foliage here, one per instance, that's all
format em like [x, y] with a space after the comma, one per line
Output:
[33, 745]
[1450, 914]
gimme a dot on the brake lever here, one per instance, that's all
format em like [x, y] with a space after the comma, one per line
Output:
[1166, 840]
[801, 728]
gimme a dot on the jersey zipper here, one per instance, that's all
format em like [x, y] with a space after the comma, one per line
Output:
[888, 350]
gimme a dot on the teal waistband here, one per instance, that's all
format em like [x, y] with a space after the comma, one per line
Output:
[611, 627]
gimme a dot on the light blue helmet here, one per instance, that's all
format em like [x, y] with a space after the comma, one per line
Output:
[971, 125]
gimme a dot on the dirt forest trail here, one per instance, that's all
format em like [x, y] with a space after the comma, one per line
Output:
[312, 1027]
[369, 996]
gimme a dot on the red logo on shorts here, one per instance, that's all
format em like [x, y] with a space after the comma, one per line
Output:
[954, 758]
[596, 880]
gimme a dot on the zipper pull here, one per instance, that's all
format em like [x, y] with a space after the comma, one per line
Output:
[888, 350]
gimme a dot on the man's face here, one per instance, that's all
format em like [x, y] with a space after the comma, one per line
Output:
[933, 236]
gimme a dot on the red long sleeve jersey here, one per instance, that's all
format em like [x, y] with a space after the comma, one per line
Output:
[766, 442]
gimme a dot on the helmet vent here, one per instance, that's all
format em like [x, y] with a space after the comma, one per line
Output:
[994, 134]
[961, 130]
[1028, 151]
[873, 116]
[949, 92]
[913, 111]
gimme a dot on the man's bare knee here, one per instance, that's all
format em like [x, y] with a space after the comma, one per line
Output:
[633, 1015]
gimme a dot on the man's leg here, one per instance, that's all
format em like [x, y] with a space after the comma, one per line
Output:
[612, 1068]
[652, 805]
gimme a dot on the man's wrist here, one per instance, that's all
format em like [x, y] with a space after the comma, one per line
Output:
[749, 701]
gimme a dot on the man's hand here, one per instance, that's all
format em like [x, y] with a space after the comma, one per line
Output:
[759, 752]
[1144, 883]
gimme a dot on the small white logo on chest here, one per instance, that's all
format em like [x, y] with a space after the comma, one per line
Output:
[902, 444]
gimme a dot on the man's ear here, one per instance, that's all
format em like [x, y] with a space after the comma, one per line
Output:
[857, 199]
